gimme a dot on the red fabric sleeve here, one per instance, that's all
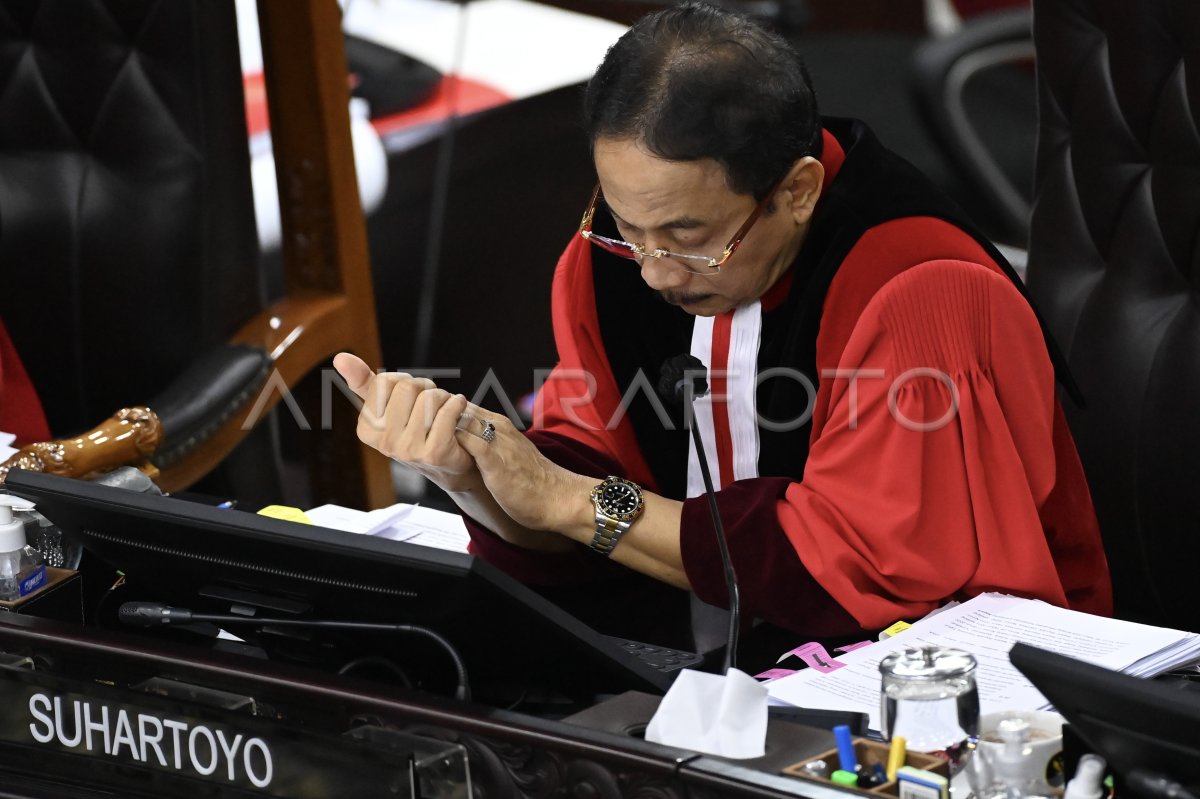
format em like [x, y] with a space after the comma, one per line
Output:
[773, 584]
[20, 410]
[927, 485]
[1073, 531]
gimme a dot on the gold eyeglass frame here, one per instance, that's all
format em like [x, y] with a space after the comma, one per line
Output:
[707, 264]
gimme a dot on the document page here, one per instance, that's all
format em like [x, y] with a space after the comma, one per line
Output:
[361, 522]
[987, 627]
[430, 528]
[413, 524]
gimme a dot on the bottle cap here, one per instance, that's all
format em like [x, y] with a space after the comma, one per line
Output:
[15, 502]
[1088, 779]
[12, 530]
[1015, 730]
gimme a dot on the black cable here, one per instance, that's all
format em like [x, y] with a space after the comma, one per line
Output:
[517, 702]
[376, 660]
[463, 691]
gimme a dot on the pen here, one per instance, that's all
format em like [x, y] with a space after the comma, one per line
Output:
[845, 746]
[896, 756]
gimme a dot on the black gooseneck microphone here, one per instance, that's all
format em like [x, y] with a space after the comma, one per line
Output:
[683, 377]
[151, 614]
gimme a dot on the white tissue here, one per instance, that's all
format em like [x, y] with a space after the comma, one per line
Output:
[715, 714]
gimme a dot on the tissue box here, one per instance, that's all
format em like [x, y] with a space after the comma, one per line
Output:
[869, 753]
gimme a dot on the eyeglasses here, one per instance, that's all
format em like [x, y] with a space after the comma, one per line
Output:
[697, 264]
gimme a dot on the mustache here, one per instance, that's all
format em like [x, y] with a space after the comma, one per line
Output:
[681, 297]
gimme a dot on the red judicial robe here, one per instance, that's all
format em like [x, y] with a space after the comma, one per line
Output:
[904, 488]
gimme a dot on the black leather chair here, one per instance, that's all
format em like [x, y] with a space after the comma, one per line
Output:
[128, 256]
[977, 93]
[957, 107]
[1114, 265]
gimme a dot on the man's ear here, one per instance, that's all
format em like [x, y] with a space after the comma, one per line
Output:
[803, 182]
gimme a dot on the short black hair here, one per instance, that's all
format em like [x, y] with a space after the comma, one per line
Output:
[694, 81]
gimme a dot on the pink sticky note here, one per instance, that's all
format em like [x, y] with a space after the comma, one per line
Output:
[815, 656]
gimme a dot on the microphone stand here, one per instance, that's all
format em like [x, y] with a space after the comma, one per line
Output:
[147, 614]
[680, 377]
[735, 609]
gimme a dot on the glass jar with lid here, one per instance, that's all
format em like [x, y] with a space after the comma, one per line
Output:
[928, 695]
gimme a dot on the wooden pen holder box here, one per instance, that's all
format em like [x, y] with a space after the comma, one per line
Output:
[869, 753]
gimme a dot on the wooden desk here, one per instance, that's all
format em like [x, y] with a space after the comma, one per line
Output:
[300, 719]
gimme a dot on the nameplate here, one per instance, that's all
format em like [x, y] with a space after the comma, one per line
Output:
[63, 729]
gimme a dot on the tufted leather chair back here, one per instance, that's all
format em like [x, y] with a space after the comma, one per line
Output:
[1115, 267]
[127, 240]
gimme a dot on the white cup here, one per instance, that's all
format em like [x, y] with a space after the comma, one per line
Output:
[1043, 763]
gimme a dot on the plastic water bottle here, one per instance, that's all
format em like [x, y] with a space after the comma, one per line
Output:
[22, 569]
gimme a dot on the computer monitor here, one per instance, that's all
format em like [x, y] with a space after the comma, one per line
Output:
[209, 559]
[1131, 721]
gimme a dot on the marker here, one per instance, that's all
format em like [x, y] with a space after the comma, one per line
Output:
[896, 756]
[845, 746]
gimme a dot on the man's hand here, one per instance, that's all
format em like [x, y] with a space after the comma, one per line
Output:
[535, 492]
[495, 475]
[411, 420]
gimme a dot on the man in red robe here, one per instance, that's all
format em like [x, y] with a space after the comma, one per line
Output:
[883, 420]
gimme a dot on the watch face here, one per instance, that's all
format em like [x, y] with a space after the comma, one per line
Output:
[619, 499]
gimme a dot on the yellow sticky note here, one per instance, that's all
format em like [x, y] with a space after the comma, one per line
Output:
[898, 627]
[286, 513]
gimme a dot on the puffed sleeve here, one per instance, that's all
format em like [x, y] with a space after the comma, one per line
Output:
[928, 465]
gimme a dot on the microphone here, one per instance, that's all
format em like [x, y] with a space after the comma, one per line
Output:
[678, 374]
[151, 614]
[684, 376]
[148, 614]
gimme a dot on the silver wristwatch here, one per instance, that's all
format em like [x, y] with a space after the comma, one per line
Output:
[618, 504]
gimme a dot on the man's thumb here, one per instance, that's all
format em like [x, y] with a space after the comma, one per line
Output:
[354, 371]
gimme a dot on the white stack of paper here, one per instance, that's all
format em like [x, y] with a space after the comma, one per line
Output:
[987, 627]
[400, 522]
